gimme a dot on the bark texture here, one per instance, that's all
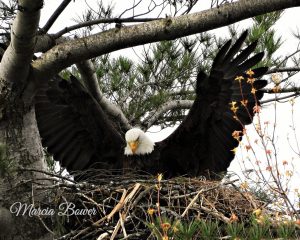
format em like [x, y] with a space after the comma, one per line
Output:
[19, 133]
[18, 128]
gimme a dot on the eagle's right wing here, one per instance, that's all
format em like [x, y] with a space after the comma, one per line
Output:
[74, 128]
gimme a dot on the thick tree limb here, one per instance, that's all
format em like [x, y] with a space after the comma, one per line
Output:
[46, 41]
[171, 105]
[87, 71]
[63, 55]
[16, 60]
[102, 20]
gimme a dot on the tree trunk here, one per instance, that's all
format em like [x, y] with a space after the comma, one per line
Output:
[20, 137]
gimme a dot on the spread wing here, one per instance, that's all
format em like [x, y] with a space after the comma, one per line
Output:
[223, 106]
[74, 128]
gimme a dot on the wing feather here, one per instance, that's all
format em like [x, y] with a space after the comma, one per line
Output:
[235, 47]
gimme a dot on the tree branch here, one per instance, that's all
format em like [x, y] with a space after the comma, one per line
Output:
[63, 55]
[55, 15]
[46, 41]
[187, 104]
[102, 20]
[16, 60]
[285, 69]
[87, 71]
[296, 94]
[171, 105]
[282, 90]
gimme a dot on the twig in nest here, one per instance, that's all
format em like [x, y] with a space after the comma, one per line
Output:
[191, 203]
[103, 236]
[47, 173]
[116, 230]
[127, 199]
[118, 206]
[122, 218]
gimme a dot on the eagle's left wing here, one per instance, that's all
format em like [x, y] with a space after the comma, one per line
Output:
[226, 101]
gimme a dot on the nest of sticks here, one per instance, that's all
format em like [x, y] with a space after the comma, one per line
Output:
[120, 204]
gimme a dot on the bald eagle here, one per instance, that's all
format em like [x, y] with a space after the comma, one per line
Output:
[80, 135]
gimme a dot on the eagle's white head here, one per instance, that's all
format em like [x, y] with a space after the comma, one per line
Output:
[137, 142]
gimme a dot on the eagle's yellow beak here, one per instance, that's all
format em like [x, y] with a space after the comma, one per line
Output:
[133, 146]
